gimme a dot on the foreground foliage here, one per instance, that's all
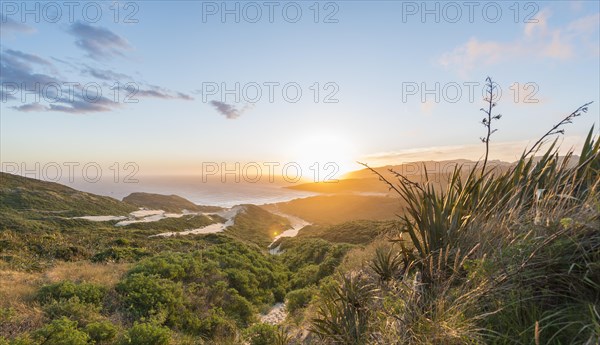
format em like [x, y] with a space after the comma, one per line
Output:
[498, 257]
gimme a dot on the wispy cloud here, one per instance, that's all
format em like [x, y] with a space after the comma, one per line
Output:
[104, 74]
[30, 107]
[228, 110]
[25, 71]
[98, 42]
[9, 26]
[538, 40]
[163, 94]
[21, 70]
[504, 151]
[28, 57]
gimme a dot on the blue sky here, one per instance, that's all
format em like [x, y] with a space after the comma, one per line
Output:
[376, 49]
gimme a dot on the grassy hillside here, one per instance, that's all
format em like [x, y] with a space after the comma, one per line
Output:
[368, 184]
[257, 226]
[355, 232]
[365, 180]
[22, 194]
[77, 282]
[339, 208]
[168, 203]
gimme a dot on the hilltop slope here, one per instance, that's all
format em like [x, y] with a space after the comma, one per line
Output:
[339, 208]
[169, 203]
[25, 194]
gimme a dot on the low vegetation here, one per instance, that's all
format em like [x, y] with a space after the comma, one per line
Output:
[501, 255]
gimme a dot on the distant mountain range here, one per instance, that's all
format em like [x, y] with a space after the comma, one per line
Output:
[366, 181]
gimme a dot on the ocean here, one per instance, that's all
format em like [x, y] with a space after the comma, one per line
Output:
[213, 193]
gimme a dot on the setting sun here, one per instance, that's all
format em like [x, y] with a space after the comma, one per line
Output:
[324, 156]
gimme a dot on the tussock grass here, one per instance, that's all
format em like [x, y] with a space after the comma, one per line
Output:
[491, 256]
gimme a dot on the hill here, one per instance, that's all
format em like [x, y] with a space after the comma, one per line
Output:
[23, 194]
[258, 226]
[339, 208]
[355, 232]
[366, 181]
[169, 203]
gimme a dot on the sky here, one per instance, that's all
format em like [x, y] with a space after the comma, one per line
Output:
[178, 86]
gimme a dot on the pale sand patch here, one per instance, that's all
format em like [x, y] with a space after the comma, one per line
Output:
[228, 214]
[276, 315]
[145, 213]
[295, 222]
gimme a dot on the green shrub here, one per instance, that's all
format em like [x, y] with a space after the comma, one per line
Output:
[21, 340]
[217, 326]
[116, 254]
[307, 275]
[262, 334]
[173, 266]
[122, 242]
[73, 309]
[298, 299]
[101, 332]
[238, 308]
[147, 334]
[61, 332]
[85, 292]
[148, 295]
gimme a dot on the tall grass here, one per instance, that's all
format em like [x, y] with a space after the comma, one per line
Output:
[501, 257]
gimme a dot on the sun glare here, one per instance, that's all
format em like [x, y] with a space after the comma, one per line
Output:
[324, 156]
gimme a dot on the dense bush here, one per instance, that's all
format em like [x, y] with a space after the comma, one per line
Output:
[262, 334]
[148, 295]
[311, 259]
[85, 292]
[101, 332]
[147, 334]
[72, 308]
[61, 332]
[300, 298]
[118, 254]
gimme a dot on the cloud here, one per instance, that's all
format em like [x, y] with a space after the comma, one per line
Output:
[30, 107]
[508, 151]
[163, 94]
[228, 110]
[98, 42]
[23, 71]
[82, 106]
[106, 75]
[9, 25]
[142, 90]
[20, 68]
[28, 57]
[538, 40]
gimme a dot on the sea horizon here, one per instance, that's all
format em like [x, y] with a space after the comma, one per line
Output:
[209, 193]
